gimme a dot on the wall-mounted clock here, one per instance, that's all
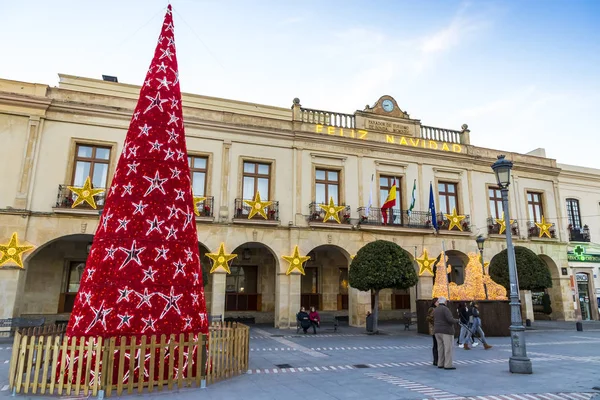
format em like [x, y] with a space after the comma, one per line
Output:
[387, 105]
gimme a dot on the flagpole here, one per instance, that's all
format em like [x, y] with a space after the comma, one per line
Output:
[446, 267]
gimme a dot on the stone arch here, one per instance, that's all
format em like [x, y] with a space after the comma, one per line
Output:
[205, 265]
[52, 276]
[560, 284]
[458, 260]
[325, 282]
[250, 288]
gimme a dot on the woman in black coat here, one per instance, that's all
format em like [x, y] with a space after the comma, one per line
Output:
[303, 319]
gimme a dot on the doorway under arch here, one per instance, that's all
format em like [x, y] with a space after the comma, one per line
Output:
[555, 292]
[250, 288]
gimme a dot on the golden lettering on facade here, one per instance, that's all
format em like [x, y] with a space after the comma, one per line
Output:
[400, 140]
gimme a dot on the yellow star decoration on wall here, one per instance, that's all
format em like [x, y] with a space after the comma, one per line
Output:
[11, 251]
[331, 211]
[221, 259]
[296, 261]
[502, 223]
[352, 257]
[257, 206]
[197, 199]
[544, 227]
[85, 193]
[455, 220]
[425, 263]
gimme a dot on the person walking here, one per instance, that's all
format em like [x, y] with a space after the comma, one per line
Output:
[464, 336]
[476, 327]
[434, 303]
[443, 327]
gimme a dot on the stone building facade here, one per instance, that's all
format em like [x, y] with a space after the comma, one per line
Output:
[298, 158]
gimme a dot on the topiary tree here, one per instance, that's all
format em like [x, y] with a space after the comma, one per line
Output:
[381, 265]
[532, 272]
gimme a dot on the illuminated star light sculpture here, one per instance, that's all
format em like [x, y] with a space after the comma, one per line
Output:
[455, 220]
[221, 259]
[502, 223]
[296, 261]
[544, 227]
[12, 252]
[85, 193]
[425, 263]
[257, 206]
[331, 211]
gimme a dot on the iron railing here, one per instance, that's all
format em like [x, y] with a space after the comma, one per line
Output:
[395, 217]
[579, 234]
[534, 231]
[317, 213]
[206, 207]
[242, 210]
[494, 227]
[444, 223]
[65, 199]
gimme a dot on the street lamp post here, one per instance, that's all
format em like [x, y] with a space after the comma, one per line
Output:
[480, 241]
[518, 363]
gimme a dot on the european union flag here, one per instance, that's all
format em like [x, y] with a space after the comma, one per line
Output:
[432, 207]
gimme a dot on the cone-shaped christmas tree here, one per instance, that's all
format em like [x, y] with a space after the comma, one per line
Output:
[143, 273]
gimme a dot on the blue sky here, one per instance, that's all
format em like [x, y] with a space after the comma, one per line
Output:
[522, 74]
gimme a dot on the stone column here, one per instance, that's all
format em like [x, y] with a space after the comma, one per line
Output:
[425, 288]
[526, 305]
[358, 305]
[217, 305]
[9, 291]
[287, 299]
[225, 166]
[466, 134]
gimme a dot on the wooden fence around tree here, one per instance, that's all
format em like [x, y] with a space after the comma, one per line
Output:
[40, 361]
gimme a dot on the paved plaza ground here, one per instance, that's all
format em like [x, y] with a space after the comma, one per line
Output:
[397, 365]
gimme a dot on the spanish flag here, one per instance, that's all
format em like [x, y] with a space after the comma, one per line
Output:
[390, 202]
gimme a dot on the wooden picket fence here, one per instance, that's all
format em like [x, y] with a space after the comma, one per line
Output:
[40, 362]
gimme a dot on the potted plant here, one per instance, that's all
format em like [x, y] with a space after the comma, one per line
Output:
[346, 218]
[272, 214]
[207, 211]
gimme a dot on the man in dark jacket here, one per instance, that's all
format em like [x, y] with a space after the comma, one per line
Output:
[443, 327]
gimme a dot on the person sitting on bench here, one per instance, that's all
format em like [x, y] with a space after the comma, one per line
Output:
[303, 319]
[315, 319]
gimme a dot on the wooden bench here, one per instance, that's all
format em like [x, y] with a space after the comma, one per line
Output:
[326, 319]
[20, 322]
[409, 318]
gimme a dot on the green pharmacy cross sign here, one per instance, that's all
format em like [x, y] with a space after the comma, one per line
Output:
[579, 254]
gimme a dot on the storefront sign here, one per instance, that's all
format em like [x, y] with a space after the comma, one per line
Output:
[591, 258]
[582, 277]
[362, 134]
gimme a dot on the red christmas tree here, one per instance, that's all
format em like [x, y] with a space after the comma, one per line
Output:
[143, 274]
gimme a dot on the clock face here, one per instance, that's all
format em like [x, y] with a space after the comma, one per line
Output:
[387, 105]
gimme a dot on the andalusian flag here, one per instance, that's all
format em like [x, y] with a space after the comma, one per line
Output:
[414, 198]
[390, 202]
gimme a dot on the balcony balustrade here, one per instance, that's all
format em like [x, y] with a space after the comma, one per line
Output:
[396, 217]
[242, 211]
[65, 199]
[579, 234]
[534, 232]
[444, 223]
[329, 118]
[494, 227]
[317, 214]
[441, 134]
[206, 207]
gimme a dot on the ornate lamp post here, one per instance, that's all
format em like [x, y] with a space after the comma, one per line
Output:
[518, 363]
[480, 241]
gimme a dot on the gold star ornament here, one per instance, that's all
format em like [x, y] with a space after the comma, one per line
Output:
[257, 206]
[502, 223]
[331, 211]
[544, 227]
[12, 252]
[197, 199]
[296, 261]
[220, 259]
[455, 220]
[85, 193]
[425, 263]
